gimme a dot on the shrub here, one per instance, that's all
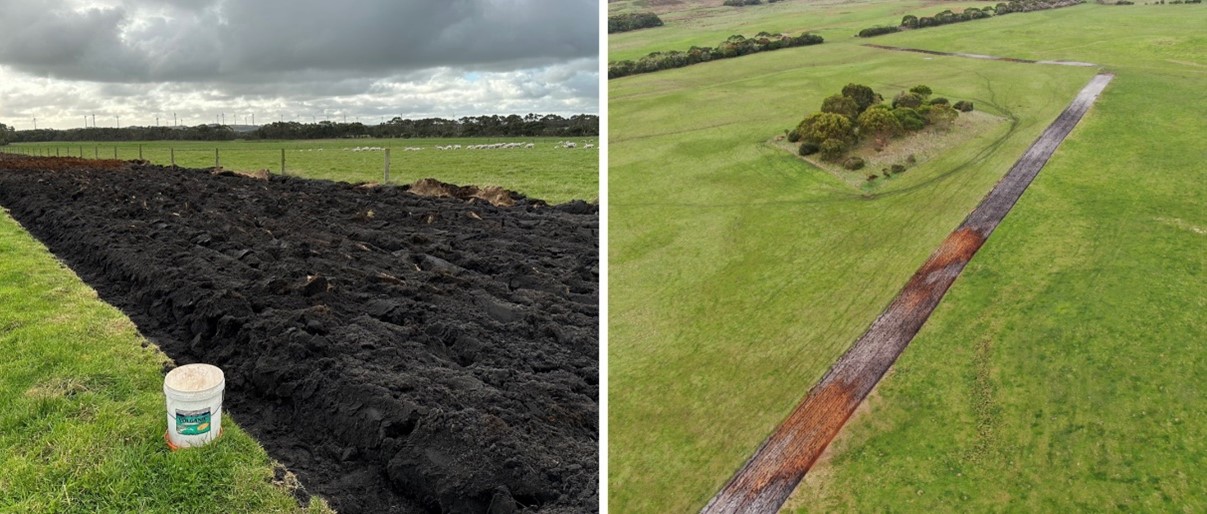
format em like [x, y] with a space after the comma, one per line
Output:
[832, 149]
[809, 148]
[909, 21]
[843, 105]
[909, 119]
[941, 116]
[907, 100]
[633, 21]
[793, 136]
[853, 163]
[897, 168]
[864, 96]
[877, 31]
[963, 106]
[823, 126]
[921, 90]
[938, 100]
[879, 123]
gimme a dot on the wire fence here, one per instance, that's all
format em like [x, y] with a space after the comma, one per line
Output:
[96, 151]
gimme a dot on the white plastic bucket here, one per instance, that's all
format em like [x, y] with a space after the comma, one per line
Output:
[194, 400]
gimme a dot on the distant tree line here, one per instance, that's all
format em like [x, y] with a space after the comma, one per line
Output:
[632, 21]
[947, 16]
[532, 125]
[735, 46]
[740, 3]
[857, 114]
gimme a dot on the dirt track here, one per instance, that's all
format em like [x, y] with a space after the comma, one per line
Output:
[400, 353]
[769, 477]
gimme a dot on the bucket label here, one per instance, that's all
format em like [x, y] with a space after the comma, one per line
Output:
[192, 422]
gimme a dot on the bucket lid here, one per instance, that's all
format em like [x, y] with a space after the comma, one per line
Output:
[194, 378]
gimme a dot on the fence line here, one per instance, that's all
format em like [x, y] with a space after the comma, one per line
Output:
[45, 151]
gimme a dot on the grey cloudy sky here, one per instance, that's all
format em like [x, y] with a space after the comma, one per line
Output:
[293, 59]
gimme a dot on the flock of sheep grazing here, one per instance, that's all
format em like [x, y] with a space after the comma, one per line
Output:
[492, 146]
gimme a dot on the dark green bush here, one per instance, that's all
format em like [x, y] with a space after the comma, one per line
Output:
[897, 168]
[853, 163]
[909, 21]
[832, 149]
[843, 105]
[938, 100]
[809, 148]
[633, 21]
[921, 90]
[910, 100]
[864, 96]
[793, 136]
[877, 31]
[963, 106]
[909, 118]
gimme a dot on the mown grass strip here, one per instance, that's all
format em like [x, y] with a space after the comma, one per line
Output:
[83, 419]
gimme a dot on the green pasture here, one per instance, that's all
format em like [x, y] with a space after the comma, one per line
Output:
[739, 273]
[1062, 373]
[708, 23]
[1065, 370]
[545, 171]
[82, 423]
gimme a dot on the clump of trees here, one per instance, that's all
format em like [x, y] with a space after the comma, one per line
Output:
[531, 125]
[735, 46]
[633, 21]
[948, 16]
[857, 113]
[5, 134]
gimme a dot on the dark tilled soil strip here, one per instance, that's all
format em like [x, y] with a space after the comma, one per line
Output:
[980, 56]
[769, 477]
[399, 353]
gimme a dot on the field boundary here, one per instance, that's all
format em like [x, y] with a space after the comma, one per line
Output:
[767, 479]
[981, 56]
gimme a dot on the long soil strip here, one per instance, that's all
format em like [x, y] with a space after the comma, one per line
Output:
[981, 56]
[766, 480]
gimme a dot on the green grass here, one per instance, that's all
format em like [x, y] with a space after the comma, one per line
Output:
[1064, 372]
[82, 423]
[699, 23]
[739, 273]
[551, 174]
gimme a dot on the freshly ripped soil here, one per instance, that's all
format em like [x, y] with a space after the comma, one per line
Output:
[399, 353]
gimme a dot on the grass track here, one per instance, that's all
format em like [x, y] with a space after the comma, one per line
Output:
[551, 174]
[83, 419]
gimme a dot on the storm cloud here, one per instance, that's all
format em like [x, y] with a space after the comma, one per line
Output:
[60, 58]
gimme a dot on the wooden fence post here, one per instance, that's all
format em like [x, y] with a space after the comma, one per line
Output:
[173, 152]
[96, 152]
[216, 163]
[282, 161]
[140, 152]
[387, 173]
